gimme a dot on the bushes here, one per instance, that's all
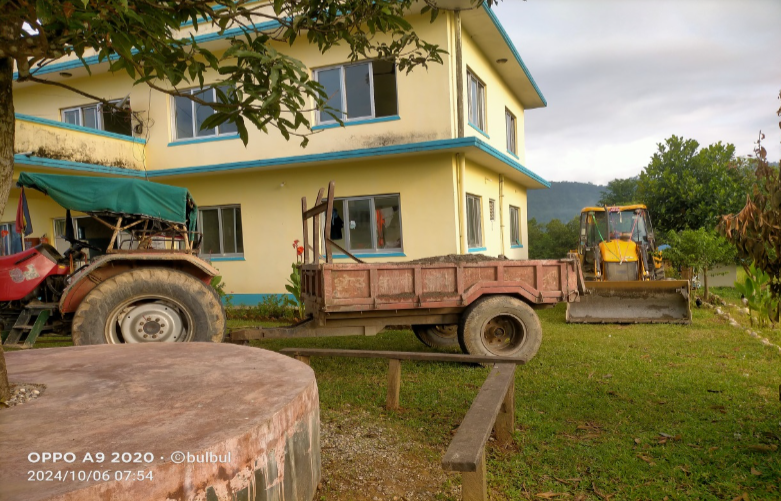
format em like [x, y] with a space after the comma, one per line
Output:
[270, 308]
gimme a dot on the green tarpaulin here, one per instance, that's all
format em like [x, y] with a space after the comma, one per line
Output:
[119, 196]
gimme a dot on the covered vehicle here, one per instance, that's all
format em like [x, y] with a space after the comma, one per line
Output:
[625, 281]
[146, 285]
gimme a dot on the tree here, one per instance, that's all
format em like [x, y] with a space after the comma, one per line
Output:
[700, 250]
[141, 37]
[755, 231]
[620, 192]
[686, 187]
[554, 240]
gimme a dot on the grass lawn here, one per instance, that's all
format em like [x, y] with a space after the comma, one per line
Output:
[603, 412]
[634, 412]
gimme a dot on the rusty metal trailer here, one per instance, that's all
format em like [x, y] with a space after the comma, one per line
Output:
[484, 305]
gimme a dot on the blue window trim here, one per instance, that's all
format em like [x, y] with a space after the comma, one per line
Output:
[389, 254]
[78, 128]
[209, 139]
[478, 249]
[226, 258]
[478, 129]
[519, 246]
[357, 122]
[253, 299]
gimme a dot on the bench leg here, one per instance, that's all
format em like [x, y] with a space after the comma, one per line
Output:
[303, 359]
[505, 421]
[394, 384]
[473, 486]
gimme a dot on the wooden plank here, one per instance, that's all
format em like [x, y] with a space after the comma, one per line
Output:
[328, 215]
[40, 322]
[394, 384]
[505, 421]
[403, 355]
[473, 484]
[303, 360]
[466, 449]
[306, 230]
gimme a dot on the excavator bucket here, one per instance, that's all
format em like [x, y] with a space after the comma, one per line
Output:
[649, 302]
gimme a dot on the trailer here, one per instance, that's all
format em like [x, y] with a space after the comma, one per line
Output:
[485, 305]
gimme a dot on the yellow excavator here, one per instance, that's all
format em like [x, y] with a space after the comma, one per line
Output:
[623, 271]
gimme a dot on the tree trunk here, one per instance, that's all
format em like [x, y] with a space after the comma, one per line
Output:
[705, 282]
[7, 124]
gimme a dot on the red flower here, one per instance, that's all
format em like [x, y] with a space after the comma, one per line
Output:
[299, 250]
[4, 233]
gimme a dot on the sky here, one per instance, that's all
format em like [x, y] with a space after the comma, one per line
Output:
[621, 76]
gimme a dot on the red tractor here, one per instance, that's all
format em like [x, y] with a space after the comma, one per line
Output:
[146, 285]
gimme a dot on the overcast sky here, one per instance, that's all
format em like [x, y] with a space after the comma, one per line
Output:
[620, 76]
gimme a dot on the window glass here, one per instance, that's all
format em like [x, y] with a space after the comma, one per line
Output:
[11, 240]
[388, 220]
[331, 80]
[385, 94]
[228, 231]
[71, 117]
[338, 225]
[184, 117]
[511, 132]
[239, 234]
[476, 95]
[360, 224]
[358, 90]
[90, 117]
[515, 226]
[117, 121]
[203, 112]
[474, 228]
[210, 227]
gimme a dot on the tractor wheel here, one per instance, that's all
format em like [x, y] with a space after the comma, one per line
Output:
[149, 305]
[501, 326]
[437, 336]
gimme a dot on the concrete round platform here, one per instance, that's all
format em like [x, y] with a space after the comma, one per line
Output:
[248, 418]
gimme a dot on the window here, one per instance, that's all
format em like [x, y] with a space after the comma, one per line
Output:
[222, 233]
[515, 226]
[474, 224]
[93, 232]
[367, 224]
[512, 133]
[189, 116]
[476, 90]
[359, 91]
[492, 209]
[97, 116]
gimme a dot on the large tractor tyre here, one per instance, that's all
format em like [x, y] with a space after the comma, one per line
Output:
[500, 326]
[149, 305]
[437, 336]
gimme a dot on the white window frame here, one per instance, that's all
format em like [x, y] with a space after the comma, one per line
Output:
[481, 96]
[175, 129]
[219, 209]
[330, 120]
[511, 127]
[99, 114]
[478, 202]
[373, 224]
[515, 226]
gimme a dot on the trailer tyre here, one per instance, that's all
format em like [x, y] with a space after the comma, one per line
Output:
[437, 336]
[149, 305]
[500, 326]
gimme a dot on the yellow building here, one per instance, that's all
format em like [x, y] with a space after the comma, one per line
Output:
[411, 181]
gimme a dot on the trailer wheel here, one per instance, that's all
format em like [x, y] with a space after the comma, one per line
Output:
[437, 336]
[501, 326]
[149, 305]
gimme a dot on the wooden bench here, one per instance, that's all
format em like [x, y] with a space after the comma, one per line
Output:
[494, 407]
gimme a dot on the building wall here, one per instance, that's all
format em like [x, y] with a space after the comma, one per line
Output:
[485, 184]
[498, 97]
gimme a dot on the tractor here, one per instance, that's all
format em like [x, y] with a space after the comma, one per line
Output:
[147, 285]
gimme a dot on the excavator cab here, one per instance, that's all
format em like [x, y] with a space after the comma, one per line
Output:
[623, 271]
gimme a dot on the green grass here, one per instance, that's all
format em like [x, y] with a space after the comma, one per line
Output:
[708, 384]
[591, 408]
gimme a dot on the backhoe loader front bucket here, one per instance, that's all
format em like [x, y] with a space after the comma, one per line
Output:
[650, 302]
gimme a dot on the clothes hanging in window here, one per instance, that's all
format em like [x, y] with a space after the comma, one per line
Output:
[336, 226]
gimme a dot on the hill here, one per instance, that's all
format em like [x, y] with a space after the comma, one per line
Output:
[562, 200]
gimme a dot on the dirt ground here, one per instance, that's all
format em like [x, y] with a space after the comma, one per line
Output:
[364, 461]
[455, 259]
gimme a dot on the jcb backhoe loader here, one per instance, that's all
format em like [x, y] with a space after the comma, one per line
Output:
[623, 271]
